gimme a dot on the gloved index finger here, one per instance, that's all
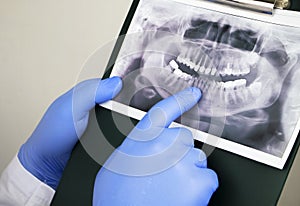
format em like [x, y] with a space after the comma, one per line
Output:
[166, 111]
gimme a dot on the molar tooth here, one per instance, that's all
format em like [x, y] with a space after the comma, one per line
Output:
[179, 58]
[228, 85]
[240, 83]
[253, 58]
[219, 87]
[183, 75]
[178, 72]
[245, 70]
[219, 68]
[236, 72]
[189, 63]
[222, 86]
[228, 69]
[173, 64]
[232, 97]
[213, 71]
[188, 77]
[193, 65]
[207, 71]
[183, 61]
[202, 69]
[169, 68]
[222, 73]
[197, 67]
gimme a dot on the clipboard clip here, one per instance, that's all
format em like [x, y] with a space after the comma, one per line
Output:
[282, 4]
[261, 6]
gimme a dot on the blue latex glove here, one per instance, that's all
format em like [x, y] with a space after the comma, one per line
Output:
[157, 165]
[47, 151]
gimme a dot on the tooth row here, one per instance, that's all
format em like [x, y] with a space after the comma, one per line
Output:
[231, 95]
[230, 85]
[200, 68]
[205, 84]
[234, 72]
[230, 69]
[178, 72]
[200, 63]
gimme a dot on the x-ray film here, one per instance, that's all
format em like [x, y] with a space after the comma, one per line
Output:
[246, 66]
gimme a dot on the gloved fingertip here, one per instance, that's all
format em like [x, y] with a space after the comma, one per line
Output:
[117, 83]
[214, 180]
[108, 89]
[188, 97]
[201, 162]
[196, 92]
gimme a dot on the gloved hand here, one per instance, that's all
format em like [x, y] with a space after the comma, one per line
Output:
[157, 165]
[48, 149]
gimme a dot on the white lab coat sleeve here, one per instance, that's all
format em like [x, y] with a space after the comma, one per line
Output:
[18, 187]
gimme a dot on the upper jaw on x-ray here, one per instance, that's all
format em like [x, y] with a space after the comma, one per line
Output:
[237, 67]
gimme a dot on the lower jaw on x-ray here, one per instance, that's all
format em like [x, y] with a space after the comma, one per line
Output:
[241, 72]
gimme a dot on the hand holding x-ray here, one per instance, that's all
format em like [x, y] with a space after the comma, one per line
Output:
[157, 165]
[47, 151]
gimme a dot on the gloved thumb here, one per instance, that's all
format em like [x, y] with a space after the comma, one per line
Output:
[87, 93]
[108, 89]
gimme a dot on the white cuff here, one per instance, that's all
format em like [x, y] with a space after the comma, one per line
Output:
[19, 187]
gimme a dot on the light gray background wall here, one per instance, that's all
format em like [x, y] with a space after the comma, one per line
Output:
[42, 47]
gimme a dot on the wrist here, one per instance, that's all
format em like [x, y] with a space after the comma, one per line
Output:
[39, 168]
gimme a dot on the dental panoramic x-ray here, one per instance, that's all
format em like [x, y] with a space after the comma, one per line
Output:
[248, 71]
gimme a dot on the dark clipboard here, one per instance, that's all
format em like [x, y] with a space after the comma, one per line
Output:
[242, 181]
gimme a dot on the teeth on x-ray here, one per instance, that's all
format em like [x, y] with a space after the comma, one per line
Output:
[205, 83]
[179, 72]
[213, 71]
[240, 65]
[197, 62]
[173, 64]
[193, 69]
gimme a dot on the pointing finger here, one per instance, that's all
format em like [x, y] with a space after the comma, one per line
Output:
[166, 111]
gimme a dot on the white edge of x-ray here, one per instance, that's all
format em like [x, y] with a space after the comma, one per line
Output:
[281, 17]
[209, 139]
